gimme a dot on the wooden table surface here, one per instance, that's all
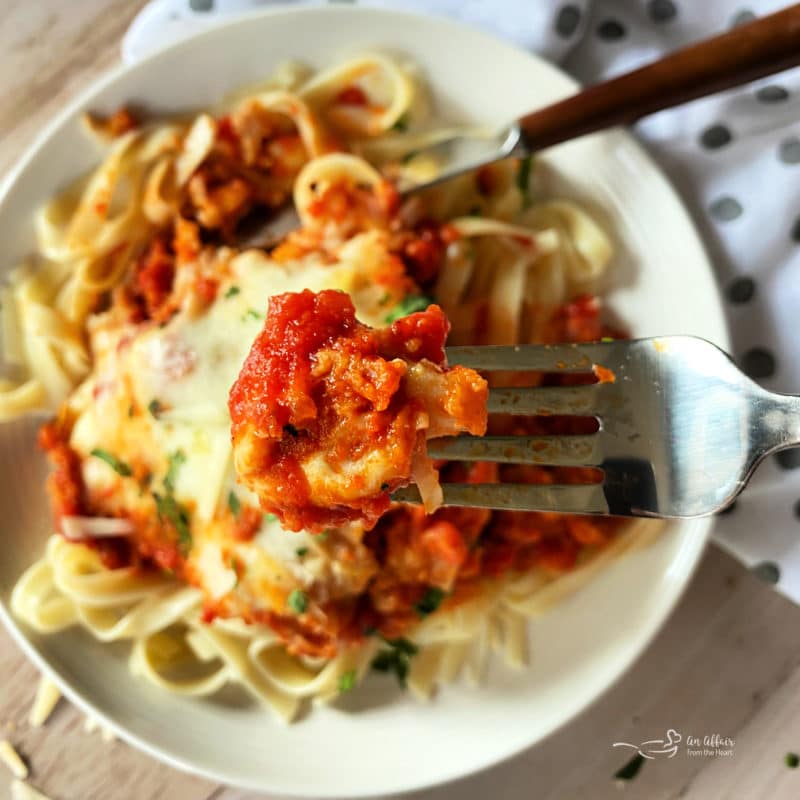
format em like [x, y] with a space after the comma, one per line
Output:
[727, 663]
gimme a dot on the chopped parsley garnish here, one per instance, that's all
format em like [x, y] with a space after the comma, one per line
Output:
[270, 517]
[171, 510]
[403, 646]
[347, 680]
[175, 461]
[251, 313]
[607, 339]
[235, 568]
[430, 601]
[409, 305]
[323, 537]
[120, 467]
[232, 291]
[396, 659]
[301, 552]
[792, 760]
[385, 298]
[401, 126]
[409, 156]
[297, 601]
[629, 771]
[233, 504]
[154, 407]
[524, 179]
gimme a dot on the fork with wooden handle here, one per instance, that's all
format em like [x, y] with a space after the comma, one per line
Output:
[681, 428]
[750, 51]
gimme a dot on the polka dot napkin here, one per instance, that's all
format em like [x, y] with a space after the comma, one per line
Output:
[735, 159]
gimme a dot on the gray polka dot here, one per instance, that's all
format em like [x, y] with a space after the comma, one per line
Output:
[725, 209]
[715, 136]
[611, 30]
[662, 10]
[742, 17]
[768, 571]
[567, 20]
[741, 290]
[772, 94]
[758, 363]
[201, 5]
[789, 150]
[788, 459]
[796, 231]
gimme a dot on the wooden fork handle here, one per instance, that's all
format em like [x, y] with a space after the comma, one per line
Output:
[750, 51]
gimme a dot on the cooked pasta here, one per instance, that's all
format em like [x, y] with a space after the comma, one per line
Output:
[134, 320]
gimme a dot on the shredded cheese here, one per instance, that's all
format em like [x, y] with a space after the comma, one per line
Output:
[11, 758]
[24, 791]
[47, 696]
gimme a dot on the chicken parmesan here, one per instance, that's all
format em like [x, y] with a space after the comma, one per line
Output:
[329, 416]
[227, 422]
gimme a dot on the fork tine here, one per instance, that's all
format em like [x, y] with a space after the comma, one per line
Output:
[574, 499]
[567, 451]
[531, 357]
[543, 400]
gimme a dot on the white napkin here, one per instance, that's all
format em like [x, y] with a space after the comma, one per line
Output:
[735, 158]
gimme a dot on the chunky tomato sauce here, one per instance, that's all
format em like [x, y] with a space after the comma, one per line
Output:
[319, 387]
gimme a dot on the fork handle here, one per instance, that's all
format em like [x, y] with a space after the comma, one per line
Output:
[778, 422]
[750, 51]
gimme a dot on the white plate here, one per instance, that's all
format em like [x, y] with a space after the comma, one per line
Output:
[385, 742]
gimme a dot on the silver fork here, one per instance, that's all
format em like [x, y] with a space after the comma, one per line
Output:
[682, 429]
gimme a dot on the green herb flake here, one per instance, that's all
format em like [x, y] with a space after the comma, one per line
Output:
[297, 601]
[409, 305]
[233, 503]
[301, 552]
[154, 407]
[430, 601]
[409, 156]
[232, 292]
[630, 770]
[270, 518]
[524, 179]
[171, 510]
[403, 646]
[323, 537]
[251, 313]
[347, 680]
[175, 461]
[120, 467]
[385, 298]
[607, 339]
[235, 568]
[792, 760]
[401, 126]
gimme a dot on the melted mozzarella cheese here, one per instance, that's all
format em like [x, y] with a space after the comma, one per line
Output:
[178, 377]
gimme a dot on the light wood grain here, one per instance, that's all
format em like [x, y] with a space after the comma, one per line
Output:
[728, 661]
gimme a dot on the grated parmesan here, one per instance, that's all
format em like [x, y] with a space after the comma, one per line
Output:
[24, 791]
[11, 758]
[47, 696]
